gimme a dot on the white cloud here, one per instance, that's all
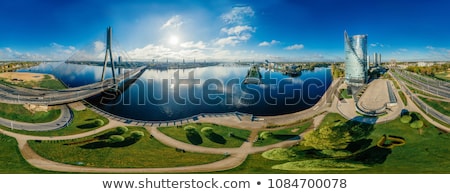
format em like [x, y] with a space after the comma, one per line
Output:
[265, 43]
[99, 46]
[237, 30]
[295, 47]
[402, 50]
[236, 35]
[377, 44]
[174, 22]
[62, 50]
[430, 47]
[238, 15]
[7, 49]
[192, 44]
[231, 40]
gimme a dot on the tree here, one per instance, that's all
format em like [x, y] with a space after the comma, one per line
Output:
[122, 129]
[326, 138]
[265, 135]
[137, 134]
[99, 122]
[405, 119]
[116, 138]
[416, 124]
[189, 129]
[207, 130]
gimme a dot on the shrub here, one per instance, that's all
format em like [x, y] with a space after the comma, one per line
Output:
[265, 135]
[416, 124]
[189, 128]
[405, 119]
[207, 130]
[122, 129]
[279, 154]
[116, 138]
[137, 134]
[99, 122]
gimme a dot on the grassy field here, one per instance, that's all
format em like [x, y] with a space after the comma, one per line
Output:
[443, 75]
[441, 106]
[18, 112]
[47, 82]
[344, 94]
[416, 91]
[403, 97]
[83, 121]
[426, 151]
[221, 139]
[146, 152]
[284, 134]
[11, 161]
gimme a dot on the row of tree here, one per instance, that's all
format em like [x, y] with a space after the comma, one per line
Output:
[429, 70]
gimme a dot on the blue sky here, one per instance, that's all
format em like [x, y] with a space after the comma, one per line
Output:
[224, 30]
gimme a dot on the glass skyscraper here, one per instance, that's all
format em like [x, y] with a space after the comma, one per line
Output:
[356, 59]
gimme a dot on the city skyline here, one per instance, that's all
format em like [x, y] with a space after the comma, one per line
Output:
[225, 30]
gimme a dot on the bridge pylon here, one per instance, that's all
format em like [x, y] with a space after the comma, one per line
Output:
[109, 52]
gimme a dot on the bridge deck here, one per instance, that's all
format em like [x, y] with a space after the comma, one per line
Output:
[18, 95]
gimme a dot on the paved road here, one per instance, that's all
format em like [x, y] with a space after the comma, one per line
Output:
[237, 155]
[236, 158]
[18, 95]
[413, 107]
[64, 119]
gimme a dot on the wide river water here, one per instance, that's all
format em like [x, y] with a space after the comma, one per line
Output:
[159, 95]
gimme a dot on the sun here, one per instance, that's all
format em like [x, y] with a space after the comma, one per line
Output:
[173, 40]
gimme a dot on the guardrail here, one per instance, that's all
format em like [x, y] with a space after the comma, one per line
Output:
[164, 123]
[422, 105]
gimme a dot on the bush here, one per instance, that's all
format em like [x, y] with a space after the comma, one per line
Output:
[122, 129]
[207, 130]
[99, 122]
[265, 135]
[416, 124]
[405, 119]
[279, 154]
[116, 138]
[137, 134]
[189, 128]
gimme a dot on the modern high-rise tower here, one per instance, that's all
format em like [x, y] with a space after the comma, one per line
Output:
[355, 59]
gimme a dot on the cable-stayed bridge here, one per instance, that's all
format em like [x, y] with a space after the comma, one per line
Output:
[19, 95]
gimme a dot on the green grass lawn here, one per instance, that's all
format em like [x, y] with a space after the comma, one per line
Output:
[11, 161]
[47, 82]
[344, 94]
[145, 153]
[50, 83]
[443, 75]
[83, 121]
[425, 151]
[284, 134]
[18, 112]
[441, 106]
[220, 140]
[403, 97]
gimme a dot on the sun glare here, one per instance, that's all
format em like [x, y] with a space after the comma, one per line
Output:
[173, 40]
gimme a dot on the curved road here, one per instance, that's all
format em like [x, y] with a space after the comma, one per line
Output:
[237, 155]
[64, 119]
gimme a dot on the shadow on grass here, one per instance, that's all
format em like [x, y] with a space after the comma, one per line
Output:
[284, 137]
[103, 144]
[238, 138]
[359, 145]
[194, 138]
[216, 138]
[87, 126]
[107, 135]
[373, 155]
